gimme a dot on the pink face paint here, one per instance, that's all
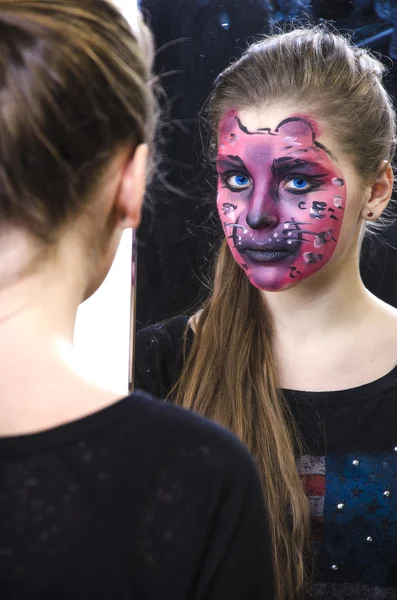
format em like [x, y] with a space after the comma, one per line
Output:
[281, 199]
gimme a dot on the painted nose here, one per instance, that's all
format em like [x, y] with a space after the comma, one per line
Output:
[262, 220]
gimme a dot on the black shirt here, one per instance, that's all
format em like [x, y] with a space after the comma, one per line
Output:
[349, 467]
[140, 501]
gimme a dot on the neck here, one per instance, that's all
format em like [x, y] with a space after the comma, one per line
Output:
[37, 315]
[331, 333]
[328, 303]
[38, 305]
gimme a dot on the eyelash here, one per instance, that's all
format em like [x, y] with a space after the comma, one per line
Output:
[314, 181]
[228, 174]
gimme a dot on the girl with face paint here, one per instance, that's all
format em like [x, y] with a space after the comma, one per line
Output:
[290, 351]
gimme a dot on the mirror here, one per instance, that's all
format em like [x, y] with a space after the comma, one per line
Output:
[196, 40]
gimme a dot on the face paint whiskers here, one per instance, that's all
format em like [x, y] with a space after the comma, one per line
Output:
[236, 226]
[293, 227]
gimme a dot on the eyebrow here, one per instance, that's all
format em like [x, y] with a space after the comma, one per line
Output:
[230, 159]
[279, 165]
[285, 163]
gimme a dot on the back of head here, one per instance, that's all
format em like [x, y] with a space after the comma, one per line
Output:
[73, 90]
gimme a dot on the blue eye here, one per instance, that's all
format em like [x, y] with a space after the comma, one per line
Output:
[238, 182]
[296, 185]
[299, 183]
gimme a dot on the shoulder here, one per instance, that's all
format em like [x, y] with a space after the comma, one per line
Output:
[210, 460]
[163, 334]
[160, 435]
[159, 355]
[175, 471]
[190, 427]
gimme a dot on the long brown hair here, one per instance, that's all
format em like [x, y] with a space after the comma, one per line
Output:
[230, 374]
[74, 89]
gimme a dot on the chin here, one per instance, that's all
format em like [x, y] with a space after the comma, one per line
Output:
[272, 280]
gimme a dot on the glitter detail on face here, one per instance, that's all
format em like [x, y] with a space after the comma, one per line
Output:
[338, 201]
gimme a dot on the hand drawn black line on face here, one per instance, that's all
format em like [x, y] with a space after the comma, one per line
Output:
[320, 239]
[333, 216]
[267, 131]
[293, 272]
[234, 236]
[293, 227]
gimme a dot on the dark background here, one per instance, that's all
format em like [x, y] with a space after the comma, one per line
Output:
[196, 39]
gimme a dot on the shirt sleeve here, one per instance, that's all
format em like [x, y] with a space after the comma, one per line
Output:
[159, 356]
[148, 363]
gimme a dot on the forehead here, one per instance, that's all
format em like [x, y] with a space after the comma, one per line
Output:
[246, 134]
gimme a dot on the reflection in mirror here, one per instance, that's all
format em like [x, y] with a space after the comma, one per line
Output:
[290, 351]
[196, 40]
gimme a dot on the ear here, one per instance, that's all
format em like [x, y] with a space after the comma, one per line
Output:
[381, 192]
[132, 189]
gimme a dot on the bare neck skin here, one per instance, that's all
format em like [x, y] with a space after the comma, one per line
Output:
[41, 386]
[331, 333]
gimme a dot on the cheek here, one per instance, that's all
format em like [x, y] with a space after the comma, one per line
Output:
[318, 209]
[326, 208]
[320, 216]
[229, 205]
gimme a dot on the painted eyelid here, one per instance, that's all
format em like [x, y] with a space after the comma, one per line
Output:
[300, 191]
[310, 179]
[306, 190]
[225, 176]
[232, 172]
[310, 183]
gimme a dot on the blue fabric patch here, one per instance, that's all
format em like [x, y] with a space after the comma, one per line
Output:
[360, 512]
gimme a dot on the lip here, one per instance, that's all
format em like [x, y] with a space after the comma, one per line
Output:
[267, 256]
[266, 253]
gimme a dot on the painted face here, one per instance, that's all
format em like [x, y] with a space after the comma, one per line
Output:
[281, 199]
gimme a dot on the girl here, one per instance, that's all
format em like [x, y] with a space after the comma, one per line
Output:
[100, 498]
[290, 351]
